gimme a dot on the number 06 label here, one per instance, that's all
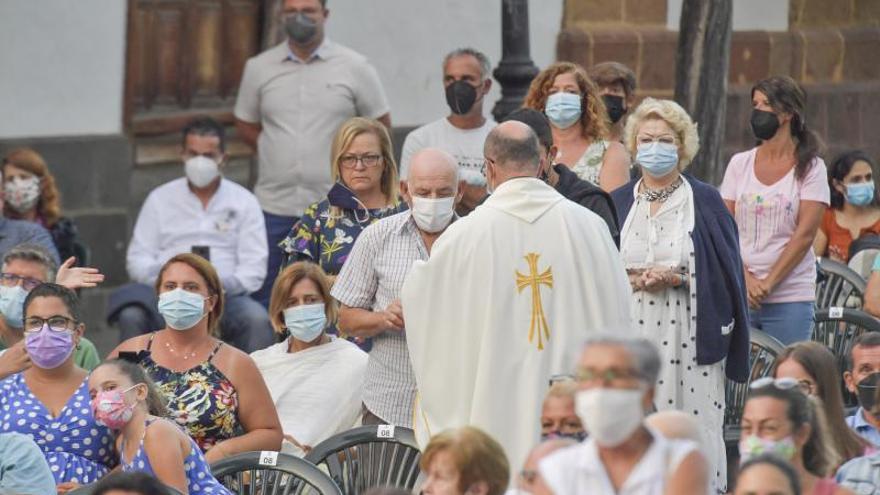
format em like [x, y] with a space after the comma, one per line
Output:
[268, 458]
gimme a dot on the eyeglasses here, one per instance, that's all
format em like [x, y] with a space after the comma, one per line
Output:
[57, 324]
[606, 377]
[11, 280]
[351, 161]
[785, 383]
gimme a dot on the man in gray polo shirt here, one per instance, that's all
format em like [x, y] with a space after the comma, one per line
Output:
[291, 101]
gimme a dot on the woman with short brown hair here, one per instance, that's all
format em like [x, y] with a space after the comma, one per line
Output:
[464, 460]
[315, 379]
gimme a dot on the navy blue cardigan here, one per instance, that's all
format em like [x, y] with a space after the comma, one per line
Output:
[720, 290]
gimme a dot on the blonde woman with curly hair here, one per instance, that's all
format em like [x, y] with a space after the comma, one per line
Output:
[579, 123]
[30, 193]
[685, 271]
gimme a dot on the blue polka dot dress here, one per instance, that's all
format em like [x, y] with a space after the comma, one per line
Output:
[198, 472]
[75, 446]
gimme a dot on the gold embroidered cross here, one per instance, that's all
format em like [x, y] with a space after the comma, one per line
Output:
[533, 280]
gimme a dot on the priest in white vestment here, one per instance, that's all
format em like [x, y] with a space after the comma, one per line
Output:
[506, 300]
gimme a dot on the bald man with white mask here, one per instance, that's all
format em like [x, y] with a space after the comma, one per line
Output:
[368, 287]
[506, 299]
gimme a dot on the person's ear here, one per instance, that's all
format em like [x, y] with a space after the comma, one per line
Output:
[78, 332]
[223, 158]
[487, 85]
[460, 193]
[648, 400]
[404, 192]
[554, 152]
[802, 435]
[849, 381]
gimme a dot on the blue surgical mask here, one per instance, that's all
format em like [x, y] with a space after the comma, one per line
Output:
[657, 159]
[563, 109]
[12, 305]
[305, 323]
[860, 194]
[181, 309]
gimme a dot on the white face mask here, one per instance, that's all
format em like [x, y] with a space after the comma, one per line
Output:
[432, 215]
[201, 170]
[610, 415]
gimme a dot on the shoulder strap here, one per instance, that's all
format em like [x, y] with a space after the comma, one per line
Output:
[150, 342]
[214, 352]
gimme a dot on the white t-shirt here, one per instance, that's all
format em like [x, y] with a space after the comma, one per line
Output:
[465, 145]
[578, 469]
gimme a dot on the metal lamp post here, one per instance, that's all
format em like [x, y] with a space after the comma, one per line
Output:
[516, 69]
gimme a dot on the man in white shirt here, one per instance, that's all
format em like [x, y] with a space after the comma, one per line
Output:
[622, 456]
[291, 101]
[208, 215]
[466, 77]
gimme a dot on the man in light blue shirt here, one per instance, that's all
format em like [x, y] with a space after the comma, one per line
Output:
[23, 469]
[862, 378]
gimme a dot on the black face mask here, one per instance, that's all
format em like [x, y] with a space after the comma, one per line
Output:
[461, 96]
[614, 105]
[867, 391]
[343, 197]
[764, 124]
[301, 28]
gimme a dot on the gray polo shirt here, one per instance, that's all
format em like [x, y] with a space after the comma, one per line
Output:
[300, 106]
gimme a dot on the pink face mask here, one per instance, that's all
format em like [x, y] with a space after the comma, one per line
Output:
[110, 409]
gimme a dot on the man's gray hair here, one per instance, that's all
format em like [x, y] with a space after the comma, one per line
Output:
[485, 66]
[34, 253]
[645, 356]
[512, 152]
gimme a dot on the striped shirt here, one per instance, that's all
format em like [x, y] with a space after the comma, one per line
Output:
[372, 278]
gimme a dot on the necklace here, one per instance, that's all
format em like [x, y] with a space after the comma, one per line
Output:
[185, 356]
[661, 195]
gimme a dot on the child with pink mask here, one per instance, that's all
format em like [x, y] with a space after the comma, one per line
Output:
[125, 400]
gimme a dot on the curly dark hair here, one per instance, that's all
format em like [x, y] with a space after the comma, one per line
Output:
[594, 116]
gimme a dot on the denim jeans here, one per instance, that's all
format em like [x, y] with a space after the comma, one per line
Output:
[277, 228]
[788, 322]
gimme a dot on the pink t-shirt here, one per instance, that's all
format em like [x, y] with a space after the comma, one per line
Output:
[767, 218]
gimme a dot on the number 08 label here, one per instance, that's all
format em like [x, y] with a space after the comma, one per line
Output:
[385, 431]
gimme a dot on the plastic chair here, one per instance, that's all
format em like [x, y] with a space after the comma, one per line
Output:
[837, 328]
[272, 473]
[761, 357]
[838, 285]
[369, 456]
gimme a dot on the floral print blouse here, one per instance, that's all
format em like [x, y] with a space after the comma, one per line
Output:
[325, 238]
[201, 399]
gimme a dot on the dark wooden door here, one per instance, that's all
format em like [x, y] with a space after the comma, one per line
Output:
[185, 57]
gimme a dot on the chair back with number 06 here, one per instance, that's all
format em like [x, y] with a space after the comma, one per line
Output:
[272, 473]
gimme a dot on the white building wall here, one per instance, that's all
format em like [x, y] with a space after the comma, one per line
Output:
[406, 41]
[62, 66]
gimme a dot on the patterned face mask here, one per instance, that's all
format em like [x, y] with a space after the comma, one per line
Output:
[22, 194]
[110, 409]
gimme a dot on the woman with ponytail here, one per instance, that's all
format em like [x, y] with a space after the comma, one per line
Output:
[778, 192]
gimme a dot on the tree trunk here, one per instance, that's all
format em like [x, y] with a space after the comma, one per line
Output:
[701, 70]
